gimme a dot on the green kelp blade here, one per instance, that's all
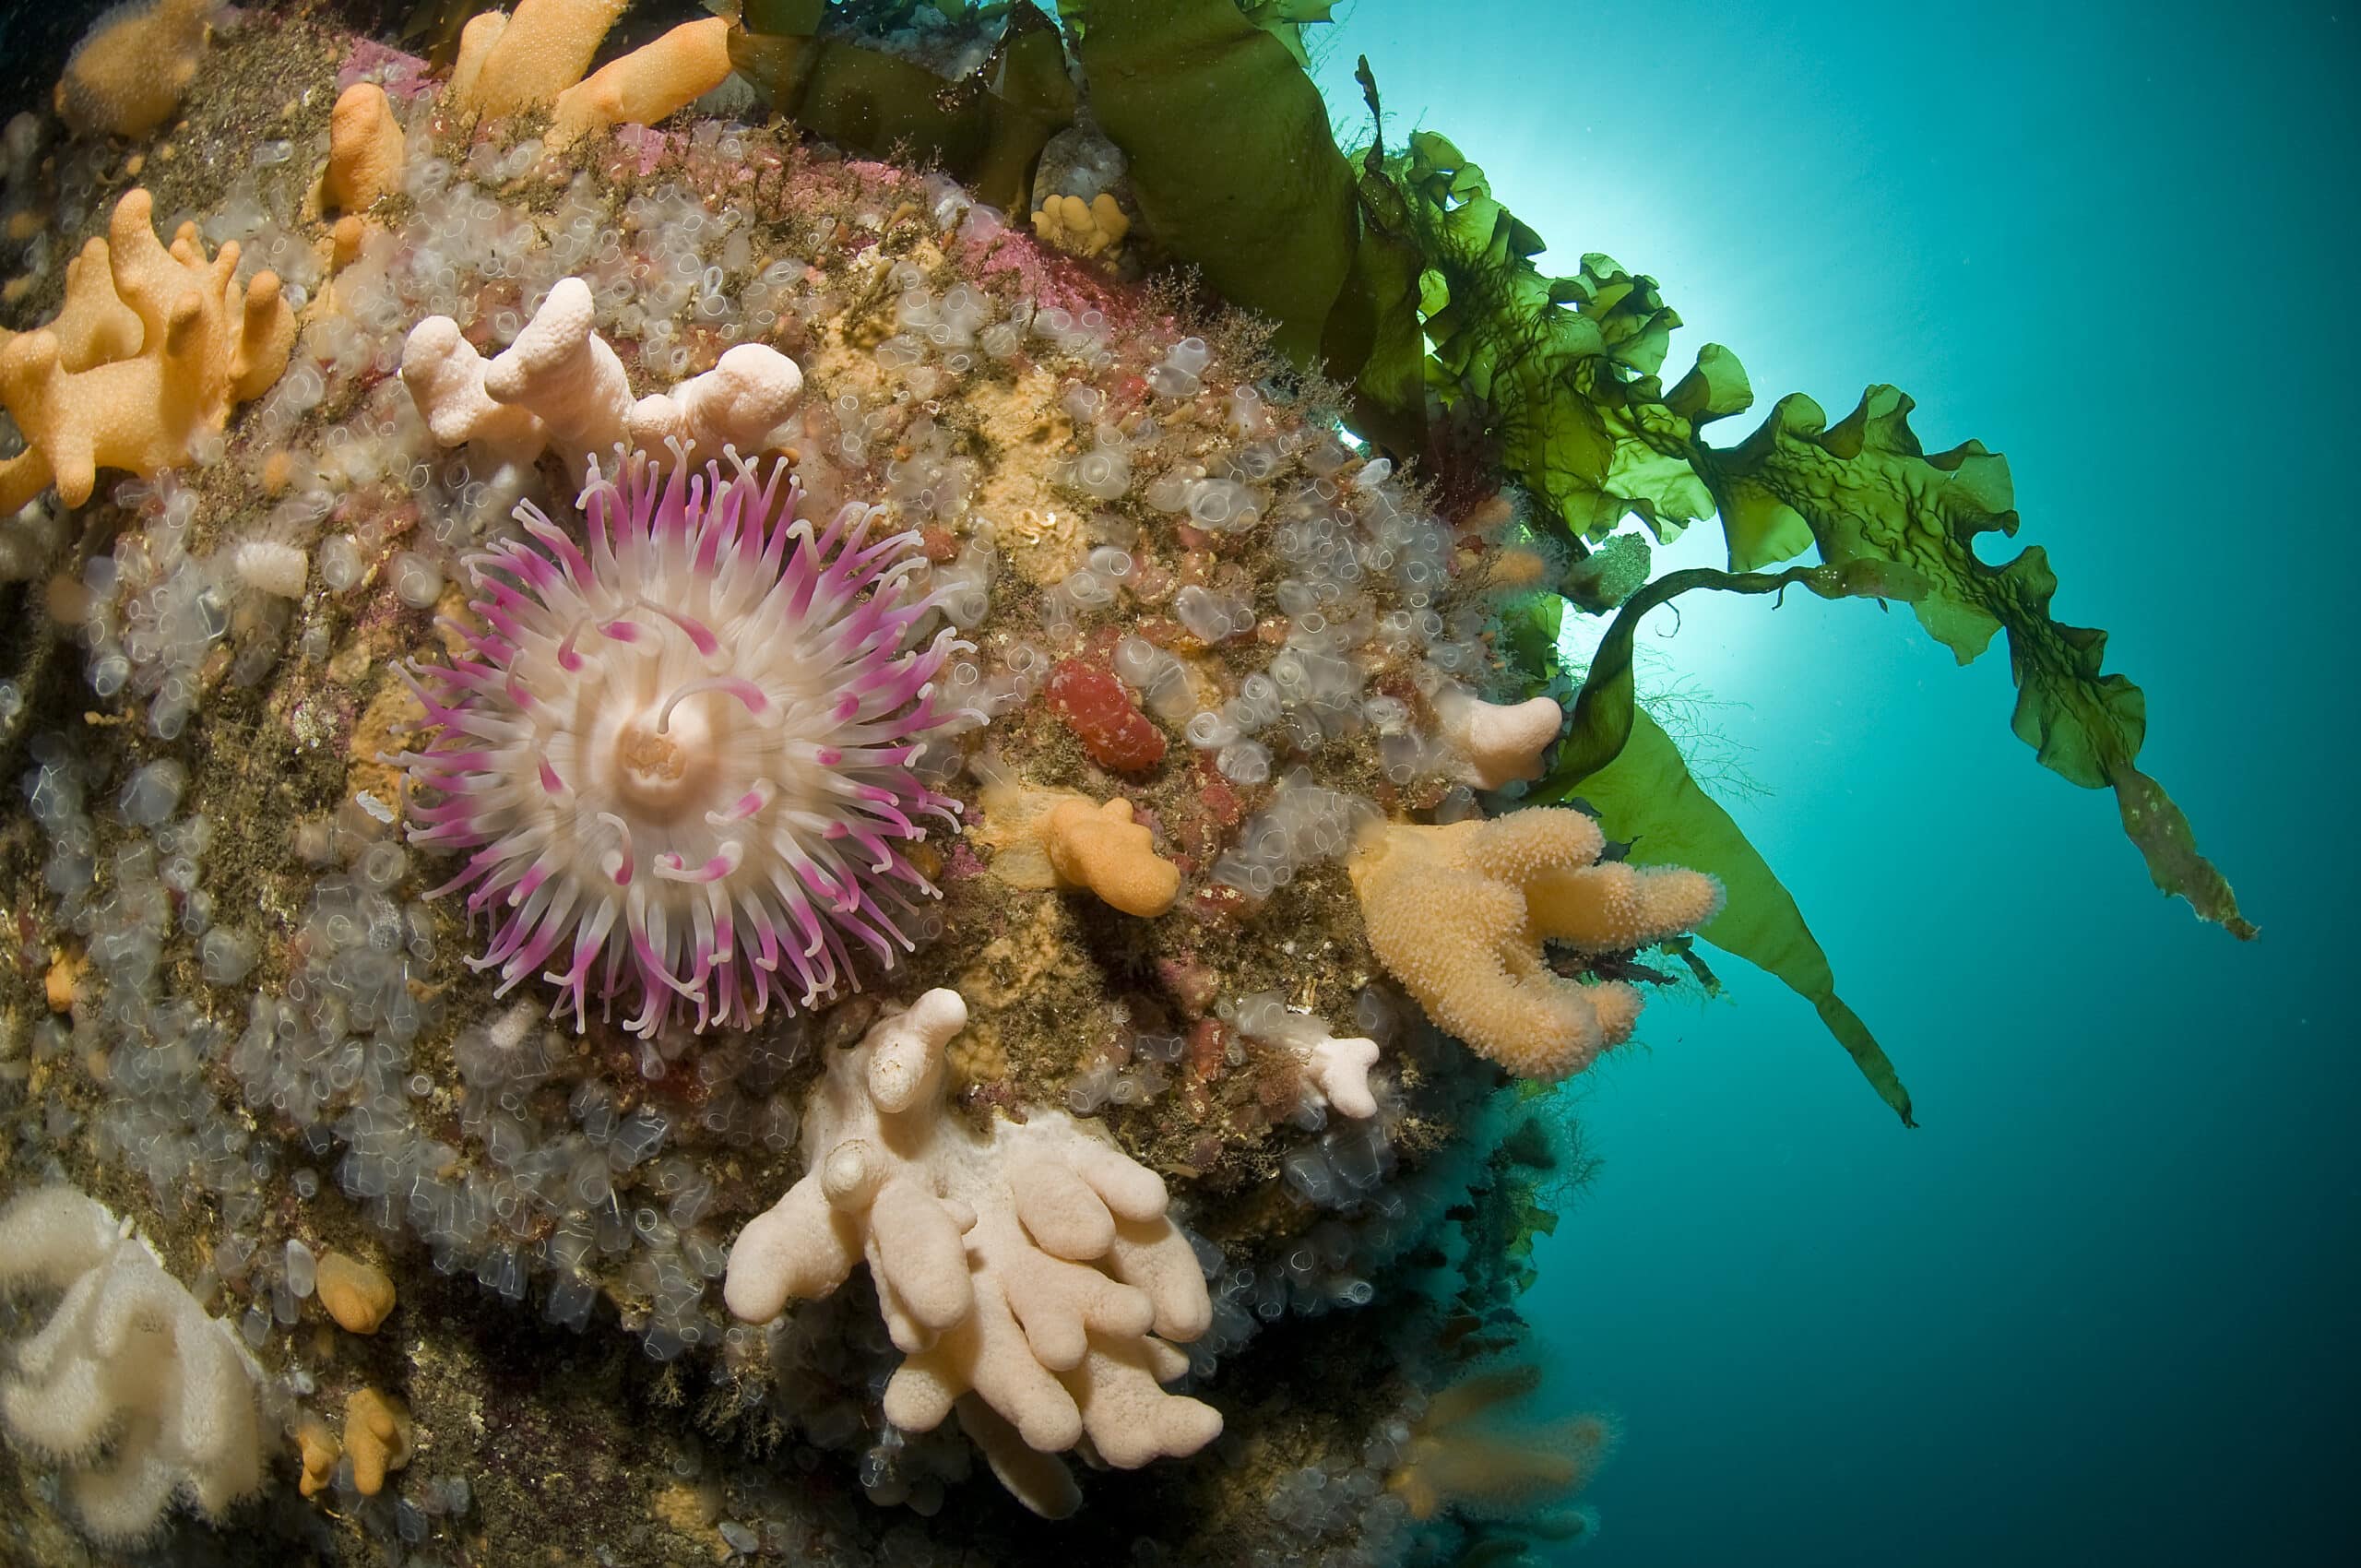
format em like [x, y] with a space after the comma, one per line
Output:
[1528, 641]
[2169, 845]
[1030, 99]
[1646, 793]
[1286, 19]
[1560, 369]
[1562, 373]
[1372, 338]
[1871, 499]
[1231, 158]
[786, 19]
[1608, 725]
[985, 129]
[1604, 707]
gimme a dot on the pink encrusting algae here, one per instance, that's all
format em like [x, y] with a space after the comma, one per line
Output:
[690, 748]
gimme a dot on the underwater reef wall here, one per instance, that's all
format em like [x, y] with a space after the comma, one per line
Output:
[719, 817]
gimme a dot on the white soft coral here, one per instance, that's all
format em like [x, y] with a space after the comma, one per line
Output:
[1029, 1275]
[1335, 1068]
[561, 384]
[136, 1393]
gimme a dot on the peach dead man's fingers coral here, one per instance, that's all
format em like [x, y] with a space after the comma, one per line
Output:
[366, 150]
[126, 76]
[535, 58]
[1459, 915]
[1032, 1268]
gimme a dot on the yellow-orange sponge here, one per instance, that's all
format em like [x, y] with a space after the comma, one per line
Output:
[1081, 228]
[1057, 839]
[1458, 914]
[204, 346]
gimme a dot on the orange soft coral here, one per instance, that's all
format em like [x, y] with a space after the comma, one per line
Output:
[126, 76]
[1458, 914]
[523, 60]
[366, 150]
[377, 1434]
[535, 59]
[1461, 1456]
[1057, 838]
[643, 86]
[204, 344]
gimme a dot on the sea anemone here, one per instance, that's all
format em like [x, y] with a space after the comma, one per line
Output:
[690, 748]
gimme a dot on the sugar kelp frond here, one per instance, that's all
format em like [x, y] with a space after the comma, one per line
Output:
[1874, 501]
[1621, 762]
[1564, 370]
[1230, 155]
[1286, 19]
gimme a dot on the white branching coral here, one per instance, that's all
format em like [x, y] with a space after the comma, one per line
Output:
[561, 384]
[1336, 1069]
[129, 1387]
[1497, 743]
[746, 396]
[1029, 1275]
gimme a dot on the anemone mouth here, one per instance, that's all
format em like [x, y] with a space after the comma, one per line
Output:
[667, 766]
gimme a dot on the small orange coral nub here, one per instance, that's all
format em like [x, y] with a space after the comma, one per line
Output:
[319, 1450]
[358, 1295]
[62, 983]
[365, 148]
[377, 1436]
[1042, 837]
[1100, 848]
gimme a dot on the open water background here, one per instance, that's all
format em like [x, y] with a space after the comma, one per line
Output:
[2101, 1309]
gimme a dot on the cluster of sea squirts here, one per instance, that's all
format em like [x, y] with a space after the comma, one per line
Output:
[237, 1014]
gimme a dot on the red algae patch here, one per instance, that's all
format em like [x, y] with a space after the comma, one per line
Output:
[1093, 704]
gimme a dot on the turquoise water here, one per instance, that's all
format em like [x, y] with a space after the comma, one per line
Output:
[2100, 1308]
